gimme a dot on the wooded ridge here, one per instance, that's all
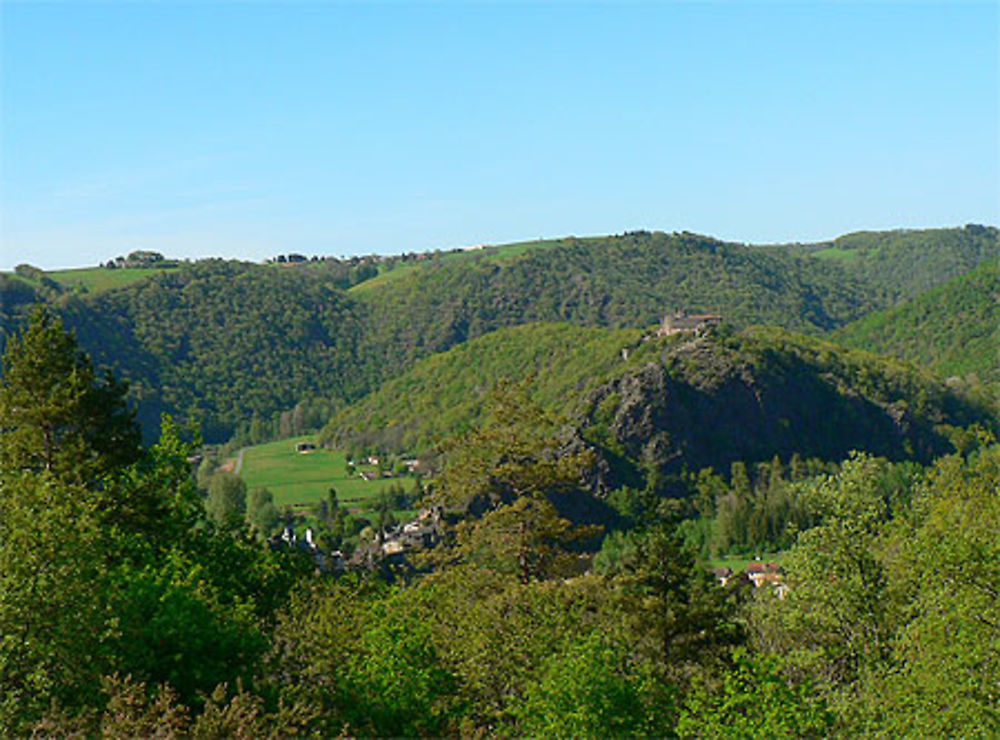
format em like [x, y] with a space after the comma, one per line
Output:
[232, 343]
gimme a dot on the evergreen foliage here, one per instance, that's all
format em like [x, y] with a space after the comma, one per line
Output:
[55, 415]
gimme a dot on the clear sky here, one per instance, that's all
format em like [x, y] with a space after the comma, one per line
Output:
[249, 129]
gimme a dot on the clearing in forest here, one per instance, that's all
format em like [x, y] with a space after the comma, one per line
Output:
[303, 478]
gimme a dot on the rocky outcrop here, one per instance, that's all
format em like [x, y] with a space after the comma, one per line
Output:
[713, 401]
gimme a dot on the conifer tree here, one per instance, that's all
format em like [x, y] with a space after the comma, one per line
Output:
[55, 415]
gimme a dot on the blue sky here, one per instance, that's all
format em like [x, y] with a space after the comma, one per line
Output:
[249, 129]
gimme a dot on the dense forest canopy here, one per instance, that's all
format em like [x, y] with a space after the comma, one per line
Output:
[953, 329]
[161, 610]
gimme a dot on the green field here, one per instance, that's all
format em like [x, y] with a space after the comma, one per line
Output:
[100, 279]
[493, 254]
[297, 478]
[739, 563]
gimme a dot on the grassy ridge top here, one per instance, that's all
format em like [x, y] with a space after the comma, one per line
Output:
[93, 280]
[100, 279]
[904, 263]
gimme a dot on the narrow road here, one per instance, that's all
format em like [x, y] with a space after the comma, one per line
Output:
[239, 461]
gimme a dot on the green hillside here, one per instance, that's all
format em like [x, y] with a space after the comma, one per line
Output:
[273, 350]
[953, 329]
[228, 342]
[443, 394]
[904, 263]
[395, 270]
[676, 402]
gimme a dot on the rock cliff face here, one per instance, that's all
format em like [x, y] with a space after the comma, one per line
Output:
[715, 400]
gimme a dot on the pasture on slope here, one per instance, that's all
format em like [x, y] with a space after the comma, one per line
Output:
[489, 253]
[298, 479]
[100, 279]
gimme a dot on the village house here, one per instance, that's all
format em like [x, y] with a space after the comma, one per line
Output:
[723, 575]
[422, 532]
[288, 539]
[767, 573]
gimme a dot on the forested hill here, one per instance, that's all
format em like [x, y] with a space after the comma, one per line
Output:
[953, 329]
[627, 280]
[229, 343]
[676, 402]
[443, 395]
[904, 263]
[276, 348]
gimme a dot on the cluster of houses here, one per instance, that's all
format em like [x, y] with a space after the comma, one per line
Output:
[412, 466]
[326, 562]
[416, 534]
[392, 544]
[759, 574]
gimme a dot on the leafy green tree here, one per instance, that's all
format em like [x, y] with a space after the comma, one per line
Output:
[945, 673]
[496, 635]
[53, 598]
[261, 511]
[180, 623]
[395, 685]
[104, 566]
[157, 498]
[755, 700]
[226, 503]
[837, 622]
[591, 689]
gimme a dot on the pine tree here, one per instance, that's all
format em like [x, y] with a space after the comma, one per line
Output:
[55, 415]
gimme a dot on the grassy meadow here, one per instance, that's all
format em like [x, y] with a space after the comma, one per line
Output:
[100, 279]
[303, 478]
[739, 563]
[497, 254]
